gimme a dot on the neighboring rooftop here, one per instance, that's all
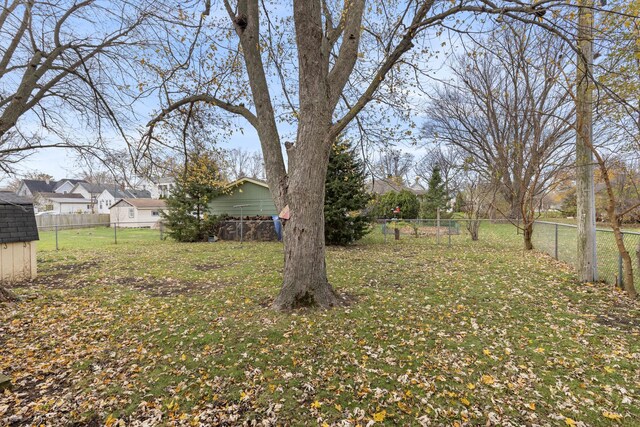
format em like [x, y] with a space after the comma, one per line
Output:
[46, 186]
[143, 203]
[386, 185]
[56, 196]
[17, 219]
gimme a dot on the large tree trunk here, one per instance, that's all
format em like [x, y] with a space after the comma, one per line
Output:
[305, 275]
[6, 295]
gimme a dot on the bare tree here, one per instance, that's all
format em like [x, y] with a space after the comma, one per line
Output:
[449, 161]
[510, 116]
[478, 196]
[65, 65]
[395, 163]
[238, 163]
[306, 66]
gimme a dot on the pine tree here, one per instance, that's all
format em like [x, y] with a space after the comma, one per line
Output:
[187, 216]
[436, 196]
[345, 197]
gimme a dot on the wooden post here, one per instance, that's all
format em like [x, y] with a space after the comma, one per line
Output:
[586, 251]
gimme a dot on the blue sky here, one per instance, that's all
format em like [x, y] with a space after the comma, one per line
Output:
[63, 163]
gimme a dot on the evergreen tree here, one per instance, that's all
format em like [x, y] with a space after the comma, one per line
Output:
[187, 216]
[436, 196]
[345, 197]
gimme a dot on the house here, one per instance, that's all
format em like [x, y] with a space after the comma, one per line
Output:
[102, 196]
[31, 187]
[18, 233]
[246, 197]
[63, 203]
[140, 183]
[165, 185]
[386, 185]
[142, 213]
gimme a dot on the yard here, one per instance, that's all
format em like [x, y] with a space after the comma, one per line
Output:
[473, 333]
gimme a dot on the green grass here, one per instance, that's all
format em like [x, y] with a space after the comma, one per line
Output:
[181, 334]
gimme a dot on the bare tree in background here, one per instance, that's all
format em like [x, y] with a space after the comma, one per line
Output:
[448, 159]
[394, 163]
[478, 195]
[508, 113]
[67, 65]
[239, 163]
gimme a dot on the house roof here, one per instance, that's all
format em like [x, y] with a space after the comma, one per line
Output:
[39, 186]
[127, 194]
[74, 200]
[94, 188]
[17, 219]
[71, 181]
[56, 196]
[139, 194]
[42, 186]
[382, 186]
[143, 203]
[241, 181]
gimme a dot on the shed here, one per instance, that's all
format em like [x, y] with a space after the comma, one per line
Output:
[142, 213]
[252, 193]
[18, 233]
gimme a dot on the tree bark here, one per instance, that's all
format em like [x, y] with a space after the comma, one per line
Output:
[7, 296]
[586, 249]
[305, 275]
[527, 229]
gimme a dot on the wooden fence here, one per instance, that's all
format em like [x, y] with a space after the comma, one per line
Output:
[72, 220]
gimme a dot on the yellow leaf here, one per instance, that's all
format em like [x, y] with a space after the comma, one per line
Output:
[465, 401]
[338, 407]
[488, 379]
[110, 421]
[183, 357]
[611, 415]
[569, 422]
[316, 404]
[539, 350]
[609, 369]
[486, 352]
[379, 416]
[471, 386]
[532, 406]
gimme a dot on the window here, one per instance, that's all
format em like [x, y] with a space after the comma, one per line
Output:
[131, 213]
[155, 213]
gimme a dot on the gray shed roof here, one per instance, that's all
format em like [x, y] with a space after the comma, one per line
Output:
[17, 219]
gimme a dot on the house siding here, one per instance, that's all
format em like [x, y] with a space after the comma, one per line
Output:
[142, 217]
[256, 196]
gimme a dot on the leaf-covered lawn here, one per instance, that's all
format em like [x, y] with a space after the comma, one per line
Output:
[157, 332]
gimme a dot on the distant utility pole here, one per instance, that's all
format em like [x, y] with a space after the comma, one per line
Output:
[586, 255]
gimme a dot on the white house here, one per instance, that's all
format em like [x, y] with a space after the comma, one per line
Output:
[143, 213]
[165, 186]
[70, 205]
[41, 190]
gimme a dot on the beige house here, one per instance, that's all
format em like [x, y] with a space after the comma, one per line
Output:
[142, 213]
[18, 233]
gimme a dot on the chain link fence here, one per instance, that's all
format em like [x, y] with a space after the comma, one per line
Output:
[90, 235]
[556, 239]
[560, 241]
